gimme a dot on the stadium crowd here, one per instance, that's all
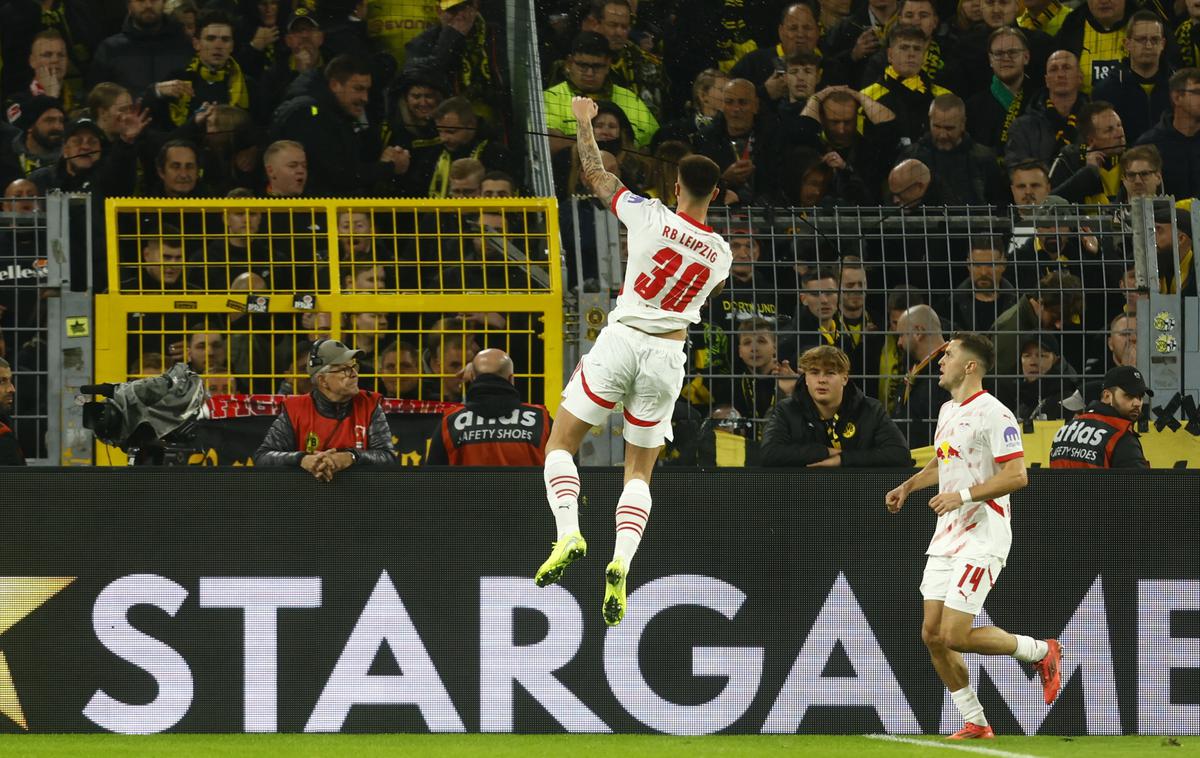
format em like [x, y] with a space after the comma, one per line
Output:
[914, 104]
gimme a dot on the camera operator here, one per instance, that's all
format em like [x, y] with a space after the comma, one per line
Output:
[335, 426]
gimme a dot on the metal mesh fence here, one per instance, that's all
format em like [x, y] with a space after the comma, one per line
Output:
[1055, 287]
[24, 292]
[241, 289]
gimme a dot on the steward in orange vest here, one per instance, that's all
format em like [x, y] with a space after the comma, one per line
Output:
[493, 428]
[1103, 435]
[335, 426]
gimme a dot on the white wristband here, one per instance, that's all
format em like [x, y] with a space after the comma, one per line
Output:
[965, 495]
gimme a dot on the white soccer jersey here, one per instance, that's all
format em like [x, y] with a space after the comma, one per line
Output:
[973, 438]
[674, 263]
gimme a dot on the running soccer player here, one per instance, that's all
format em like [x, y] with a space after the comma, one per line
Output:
[978, 463]
[675, 263]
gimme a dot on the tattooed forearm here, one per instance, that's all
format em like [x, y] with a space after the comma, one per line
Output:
[603, 184]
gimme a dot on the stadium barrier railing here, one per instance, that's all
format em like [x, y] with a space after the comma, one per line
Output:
[240, 288]
[1094, 271]
[46, 324]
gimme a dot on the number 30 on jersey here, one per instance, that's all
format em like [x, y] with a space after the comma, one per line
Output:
[687, 286]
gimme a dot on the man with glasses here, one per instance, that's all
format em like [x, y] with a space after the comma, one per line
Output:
[1141, 172]
[335, 426]
[587, 69]
[1139, 88]
[1176, 136]
[992, 112]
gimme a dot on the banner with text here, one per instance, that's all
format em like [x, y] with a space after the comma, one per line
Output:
[195, 600]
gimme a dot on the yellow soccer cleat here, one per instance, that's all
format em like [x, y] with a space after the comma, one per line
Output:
[614, 592]
[565, 552]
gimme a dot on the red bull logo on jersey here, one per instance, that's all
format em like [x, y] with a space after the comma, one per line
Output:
[946, 451]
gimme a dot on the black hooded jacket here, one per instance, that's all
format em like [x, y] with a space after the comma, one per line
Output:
[493, 428]
[796, 435]
[138, 58]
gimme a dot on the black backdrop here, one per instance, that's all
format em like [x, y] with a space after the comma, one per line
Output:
[818, 581]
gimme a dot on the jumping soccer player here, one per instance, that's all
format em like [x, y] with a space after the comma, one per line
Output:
[675, 263]
[979, 462]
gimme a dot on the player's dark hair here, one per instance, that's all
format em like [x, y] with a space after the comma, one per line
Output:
[980, 348]
[698, 175]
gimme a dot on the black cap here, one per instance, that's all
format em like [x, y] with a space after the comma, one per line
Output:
[1183, 217]
[79, 124]
[23, 114]
[302, 14]
[1129, 379]
[1046, 341]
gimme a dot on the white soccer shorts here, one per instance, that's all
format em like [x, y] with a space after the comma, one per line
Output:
[642, 372]
[960, 583]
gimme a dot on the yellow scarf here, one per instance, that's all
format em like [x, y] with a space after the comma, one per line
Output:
[439, 185]
[231, 72]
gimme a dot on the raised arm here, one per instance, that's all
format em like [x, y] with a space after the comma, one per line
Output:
[604, 185]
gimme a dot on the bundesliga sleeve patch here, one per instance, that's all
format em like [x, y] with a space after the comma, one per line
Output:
[1012, 438]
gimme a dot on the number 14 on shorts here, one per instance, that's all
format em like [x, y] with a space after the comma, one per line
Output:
[973, 575]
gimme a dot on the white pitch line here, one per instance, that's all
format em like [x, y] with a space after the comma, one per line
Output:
[948, 746]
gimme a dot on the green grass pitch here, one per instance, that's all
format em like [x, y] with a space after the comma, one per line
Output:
[614, 746]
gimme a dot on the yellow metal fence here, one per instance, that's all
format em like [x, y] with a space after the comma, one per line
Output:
[239, 288]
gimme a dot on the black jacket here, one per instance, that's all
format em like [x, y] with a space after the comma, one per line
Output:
[138, 58]
[714, 142]
[278, 448]
[338, 162]
[966, 175]
[20, 20]
[1180, 158]
[962, 314]
[493, 401]
[796, 435]
[1138, 111]
[10, 449]
[1037, 133]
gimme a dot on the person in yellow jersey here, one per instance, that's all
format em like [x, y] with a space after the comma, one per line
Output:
[1096, 33]
[1044, 15]
[395, 23]
[466, 49]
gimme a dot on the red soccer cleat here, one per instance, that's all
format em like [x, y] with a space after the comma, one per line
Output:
[1048, 670]
[973, 732]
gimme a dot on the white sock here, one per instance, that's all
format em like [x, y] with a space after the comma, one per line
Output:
[562, 490]
[633, 511]
[969, 706]
[1029, 650]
